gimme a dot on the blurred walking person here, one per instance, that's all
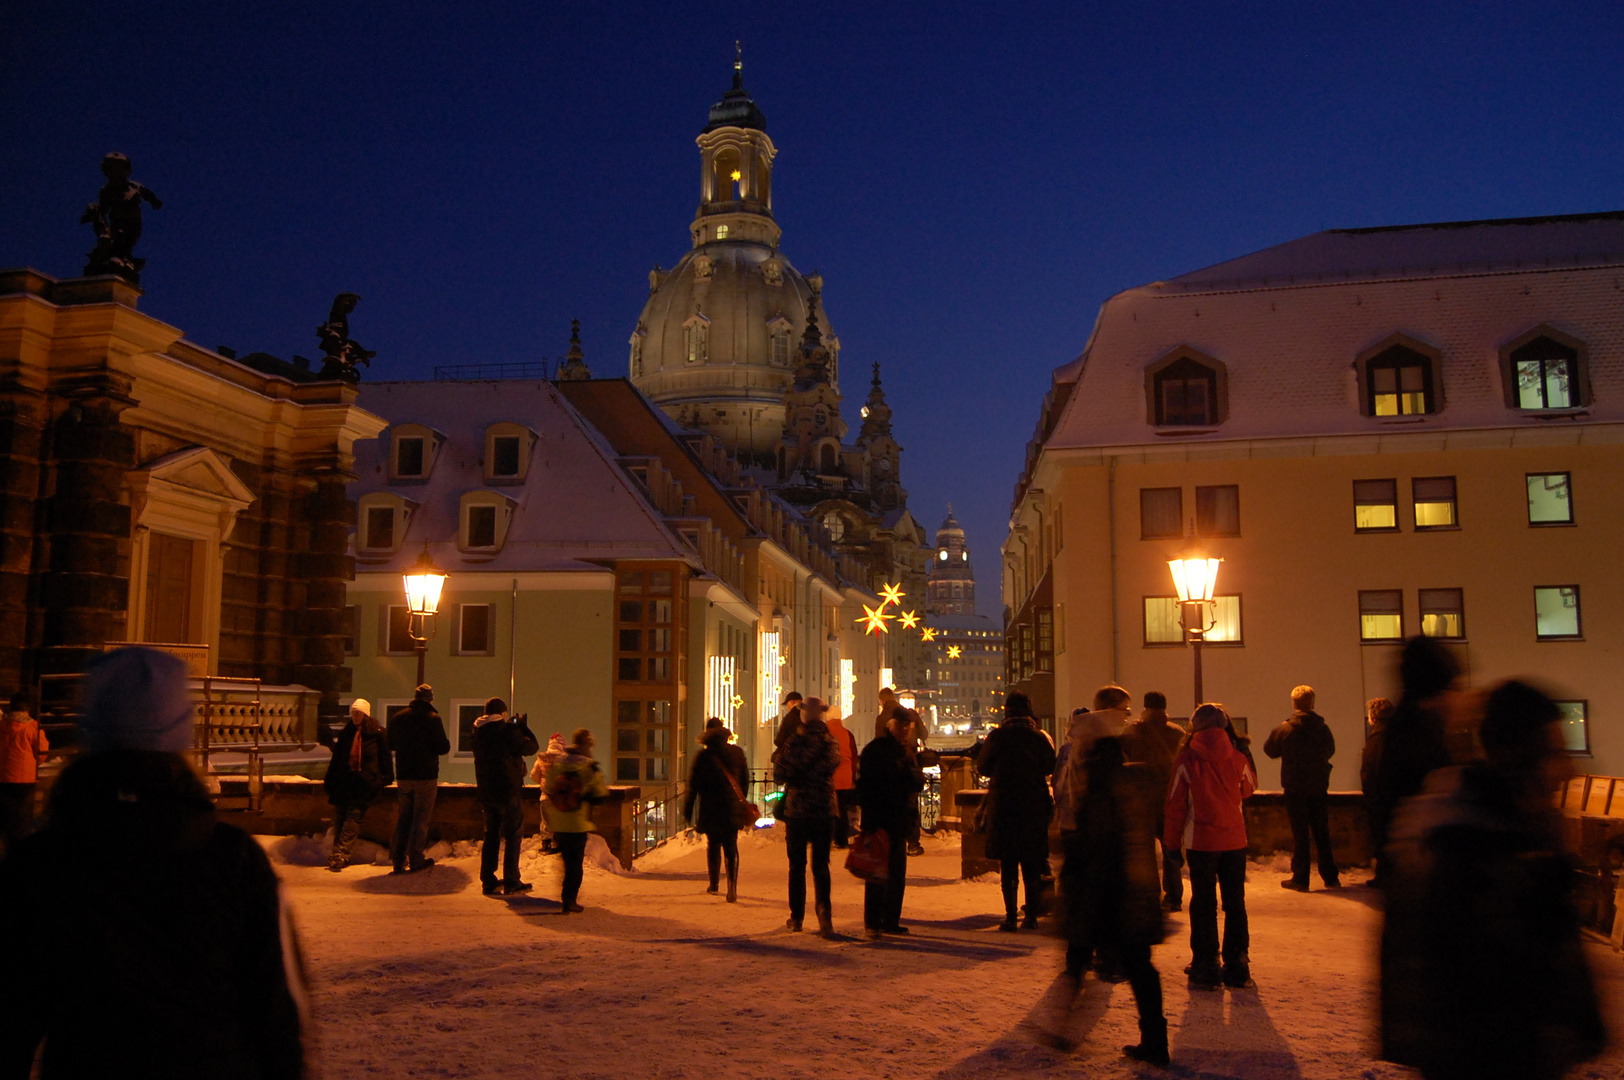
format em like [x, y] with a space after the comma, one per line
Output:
[148, 938]
[22, 748]
[1153, 741]
[1117, 908]
[806, 767]
[555, 752]
[417, 736]
[1210, 779]
[361, 767]
[573, 785]
[719, 779]
[1107, 719]
[1414, 742]
[1304, 744]
[889, 780]
[1018, 760]
[845, 780]
[1483, 970]
[500, 747]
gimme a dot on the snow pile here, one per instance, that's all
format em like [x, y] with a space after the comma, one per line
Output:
[315, 850]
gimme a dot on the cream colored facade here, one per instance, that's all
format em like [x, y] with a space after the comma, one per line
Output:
[1293, 338]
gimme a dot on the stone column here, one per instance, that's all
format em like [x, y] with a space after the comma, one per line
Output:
[323, 567]
[22, 424]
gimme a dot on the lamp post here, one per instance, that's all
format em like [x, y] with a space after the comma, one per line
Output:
[424, 581]
[1194, 578]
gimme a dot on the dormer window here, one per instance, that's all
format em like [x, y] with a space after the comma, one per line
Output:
[381, 520]
[484, 518]
[696, 339]
[1399, 377]
[412, 451]
[380, 528]
[1186, 389]
[1544, 369]
[507, 452]
[481, 527]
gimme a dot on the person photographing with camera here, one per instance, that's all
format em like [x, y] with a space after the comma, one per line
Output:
[500, 747]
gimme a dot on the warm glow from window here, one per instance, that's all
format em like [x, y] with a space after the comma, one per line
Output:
[1375, 517]
[886, 676]
[1381, 627]
[720, 699]
[848, 687]
[721, 230]
[1433, 515]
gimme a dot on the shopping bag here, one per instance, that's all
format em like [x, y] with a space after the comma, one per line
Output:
[869, 856]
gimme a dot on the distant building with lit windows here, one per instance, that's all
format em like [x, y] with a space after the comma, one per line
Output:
[968, 662]
[1382, 432]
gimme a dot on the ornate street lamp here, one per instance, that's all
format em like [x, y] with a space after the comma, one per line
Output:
[424, 581]
[1195, 577]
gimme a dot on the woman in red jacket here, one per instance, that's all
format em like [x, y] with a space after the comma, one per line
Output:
[1210, 778]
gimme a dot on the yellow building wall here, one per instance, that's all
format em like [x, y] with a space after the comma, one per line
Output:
[1298, 566]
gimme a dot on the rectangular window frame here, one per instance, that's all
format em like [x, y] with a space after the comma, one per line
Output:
[421, 445]
[1168, 643]
[378, 514]
[1207, 527]
[1578, 615]
[1144, 531]
[350, 626]
[1385, 639]
[1416, 502]
[457, 710]
[388, 642]
[1584, 726]
[463, 648]
[1392, 503]
[1422, 607]
[500, 445]
[1571, 521]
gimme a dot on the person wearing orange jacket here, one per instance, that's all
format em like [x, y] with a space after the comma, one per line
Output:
[1210, 779]
[22, 748]
[845, 780]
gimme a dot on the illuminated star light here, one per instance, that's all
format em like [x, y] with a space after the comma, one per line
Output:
[891, 594]
[928, 633]
[953, 652]
[875, 619]
[737, 701]
[910, 619]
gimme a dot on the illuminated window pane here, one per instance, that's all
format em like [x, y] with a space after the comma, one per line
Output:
[1575, 726]
[1550, 499]
[1375, 517]
[1399, 382]
[1381, 615]
[1443, 613]
[1544, 372]
[1375, 504]
[1556, 611]
[1162, 621]
[1434, 502]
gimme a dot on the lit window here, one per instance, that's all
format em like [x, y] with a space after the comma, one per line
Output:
[1381, 615]
[1399, 383]
[1550, 499]
[1162, 621]
[1575, 726]
[1186, 393]
[475, 623]
[721, 230]
[505, 455]
[1161, 513]
[380, 531]
[1545, 375]
[780, 348]
[694, 340]
[409, 456]
[1556, 611]
[1434, 502]
[1375, 505]
[1443, 613]
[481, 527]
[1218, 510]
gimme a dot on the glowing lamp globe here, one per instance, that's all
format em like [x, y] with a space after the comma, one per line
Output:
[1194, 577]
[423, 584]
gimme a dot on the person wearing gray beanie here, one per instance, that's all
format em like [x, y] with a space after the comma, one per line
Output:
[136, 699]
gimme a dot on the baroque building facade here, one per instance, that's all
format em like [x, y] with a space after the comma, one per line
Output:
[735, 342]
[1381, 432]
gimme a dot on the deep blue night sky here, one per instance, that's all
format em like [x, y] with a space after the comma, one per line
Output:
[972, 180]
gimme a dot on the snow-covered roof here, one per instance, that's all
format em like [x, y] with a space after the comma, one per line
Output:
[575, 509]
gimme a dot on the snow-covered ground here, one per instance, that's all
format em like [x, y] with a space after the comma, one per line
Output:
[421, 975]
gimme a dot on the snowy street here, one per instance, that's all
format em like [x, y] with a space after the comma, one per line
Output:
[421, 975]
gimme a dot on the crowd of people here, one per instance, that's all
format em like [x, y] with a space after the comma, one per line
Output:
[1482, 971]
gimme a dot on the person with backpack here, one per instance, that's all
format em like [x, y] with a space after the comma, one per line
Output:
[22, 748]
[806, 767]
[417, 736]
[500, 747]
[359, 771]
[718, 780]
[538, 772]
[573, 784]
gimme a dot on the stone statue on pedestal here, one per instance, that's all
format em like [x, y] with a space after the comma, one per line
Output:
[341, 353]
[116, 217]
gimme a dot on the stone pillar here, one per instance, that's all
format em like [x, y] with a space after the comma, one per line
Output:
[323, 567]
[85, 590]
[22, 424]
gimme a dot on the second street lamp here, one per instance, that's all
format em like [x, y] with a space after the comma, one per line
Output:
[424, 582]
[1195, 577]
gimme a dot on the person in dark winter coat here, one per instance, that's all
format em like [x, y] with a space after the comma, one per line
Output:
[1378, 711]
[1153, 741]
[1483, 972]
[1415, 742]
[889, 780]
[1018, 759]
[360, 769]
[789, 723]
[1116, 907]
[1304, 744]
[1211, 778]
[719, 779]
[806, 767]
[500, 748]
[150, 937]
[417, 736]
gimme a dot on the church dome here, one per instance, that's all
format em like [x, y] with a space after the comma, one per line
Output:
[737, 108]
[715, 344]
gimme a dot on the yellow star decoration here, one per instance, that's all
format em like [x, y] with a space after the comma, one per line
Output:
[928, 633]
[735, 175]
[910, 619]
[737, 701]
[782, 659]
[953, 652]
[891, 594]
[727, 680]
[875, 619]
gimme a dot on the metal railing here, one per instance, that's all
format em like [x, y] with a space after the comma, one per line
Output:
[656, 820]
[518, 369]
